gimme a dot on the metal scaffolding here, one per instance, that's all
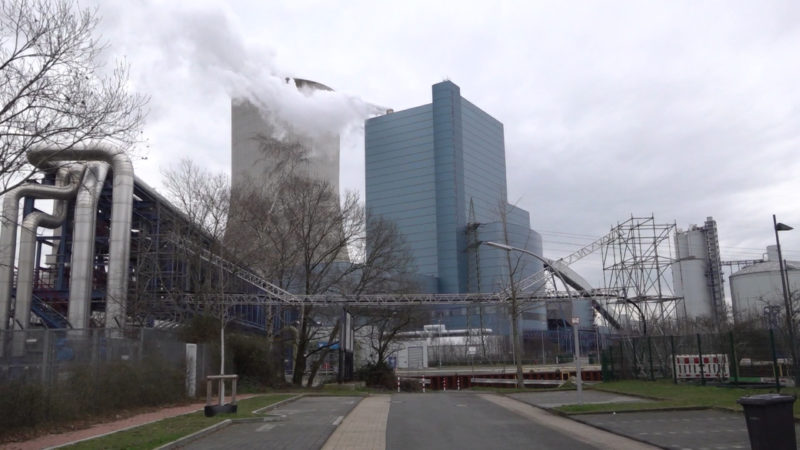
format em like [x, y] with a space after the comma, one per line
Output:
[636, 263]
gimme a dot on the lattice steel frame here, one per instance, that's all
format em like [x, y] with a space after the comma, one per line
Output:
[636, 269]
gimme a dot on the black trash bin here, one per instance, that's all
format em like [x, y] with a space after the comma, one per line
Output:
[770, 422]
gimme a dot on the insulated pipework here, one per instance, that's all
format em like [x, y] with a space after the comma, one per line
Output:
[121, 211]
[69, 177]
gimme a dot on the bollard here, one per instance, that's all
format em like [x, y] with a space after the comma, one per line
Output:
[444, 386]
[458, 383]
[398, 385]
[423, 384]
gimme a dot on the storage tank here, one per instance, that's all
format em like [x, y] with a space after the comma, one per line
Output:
[695, 273]
[759, 285]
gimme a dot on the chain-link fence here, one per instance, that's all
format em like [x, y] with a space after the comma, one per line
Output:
[45, 355]
[53, 376]
[741, 356]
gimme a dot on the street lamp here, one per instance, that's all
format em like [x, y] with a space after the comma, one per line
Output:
[787, 303]
[517, 354]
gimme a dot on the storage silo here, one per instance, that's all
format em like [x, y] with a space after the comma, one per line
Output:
[758, 286]
[696, 274]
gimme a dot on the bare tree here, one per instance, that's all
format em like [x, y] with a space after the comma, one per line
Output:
[51, 89]
[309, 243]
[205, 198]
[382, 327]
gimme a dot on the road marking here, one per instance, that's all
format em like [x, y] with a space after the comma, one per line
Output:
[338, 421]
[462, 405]
[265, 427]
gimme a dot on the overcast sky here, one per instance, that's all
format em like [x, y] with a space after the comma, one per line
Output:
[679, 109]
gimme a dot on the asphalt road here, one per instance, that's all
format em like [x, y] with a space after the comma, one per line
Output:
[307, 424]
[465, 421]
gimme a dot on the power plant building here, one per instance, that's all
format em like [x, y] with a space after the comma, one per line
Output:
[439, 172]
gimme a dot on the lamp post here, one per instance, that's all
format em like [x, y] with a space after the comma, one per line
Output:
[517, 355]
[787, 302]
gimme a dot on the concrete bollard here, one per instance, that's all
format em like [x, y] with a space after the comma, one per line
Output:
[398, 385]
[458, 383]
[423, 384]
[444, 386]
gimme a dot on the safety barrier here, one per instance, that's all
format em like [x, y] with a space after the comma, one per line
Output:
[713, 366]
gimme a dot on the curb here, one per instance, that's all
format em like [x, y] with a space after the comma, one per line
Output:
[565, 416]
[227, 422]
[78, 441]
[278, 404]
[196, 435]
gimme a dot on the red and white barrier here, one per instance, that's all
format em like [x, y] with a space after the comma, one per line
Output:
[715, 366]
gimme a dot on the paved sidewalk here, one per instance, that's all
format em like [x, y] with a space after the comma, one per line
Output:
[585, 433]
[364, 428]
[553, 399]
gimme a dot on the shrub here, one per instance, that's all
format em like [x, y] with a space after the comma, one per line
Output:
[87, 391]
[251, 360]
[377, 375]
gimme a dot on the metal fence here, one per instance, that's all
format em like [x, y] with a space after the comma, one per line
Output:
[50, 355]
[750, 356]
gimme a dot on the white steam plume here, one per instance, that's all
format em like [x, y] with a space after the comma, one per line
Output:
[180, 46]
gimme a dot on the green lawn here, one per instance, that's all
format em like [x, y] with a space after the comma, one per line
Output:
[668, 395]
[159, 433]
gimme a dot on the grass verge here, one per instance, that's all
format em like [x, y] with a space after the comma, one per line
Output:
[667, 395]
[164, 431]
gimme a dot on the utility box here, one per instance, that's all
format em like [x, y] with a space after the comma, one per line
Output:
[770, 422]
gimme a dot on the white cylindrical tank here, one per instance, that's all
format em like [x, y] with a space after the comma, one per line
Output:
[582, 308]
[759, 285]
[690, 282]
[690, 273]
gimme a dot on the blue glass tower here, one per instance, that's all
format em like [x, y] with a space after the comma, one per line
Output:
[438, 170]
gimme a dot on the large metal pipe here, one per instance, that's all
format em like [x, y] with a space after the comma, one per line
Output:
[121, 211]
[69, 177]
[8, 237]
[83, 234]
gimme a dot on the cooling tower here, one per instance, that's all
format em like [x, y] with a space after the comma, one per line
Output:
[266, 145]
[260, 137]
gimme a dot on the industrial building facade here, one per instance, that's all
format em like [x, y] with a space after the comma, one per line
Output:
[438, 171]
